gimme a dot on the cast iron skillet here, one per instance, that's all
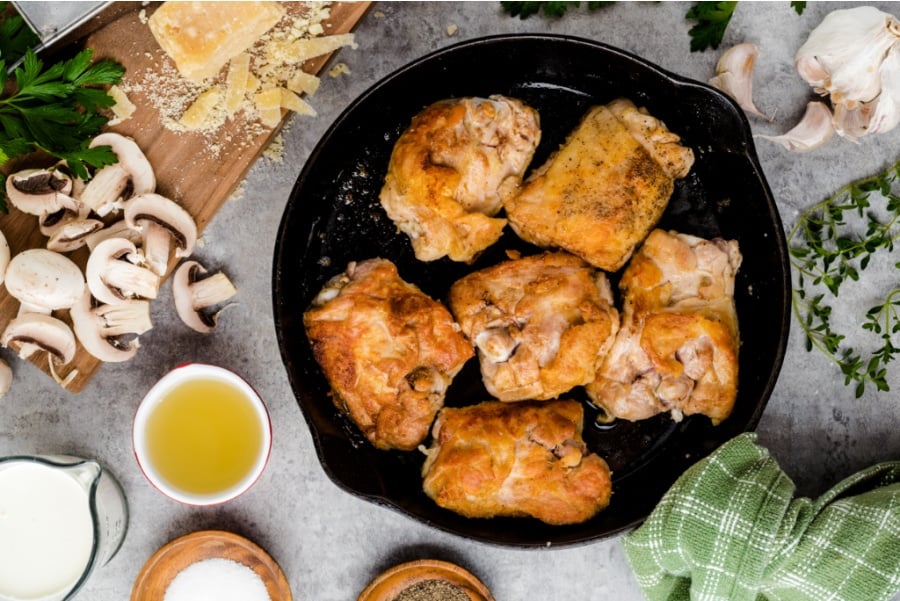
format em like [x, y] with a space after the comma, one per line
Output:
[334, 217]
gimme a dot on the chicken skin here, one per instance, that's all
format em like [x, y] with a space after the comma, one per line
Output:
[516, 459]
[451, 171]
[388, 351]
[677, 349]
[541, 324]
[603, 191]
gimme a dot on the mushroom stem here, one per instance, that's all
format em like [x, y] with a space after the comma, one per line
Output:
[112, 278]
[193, 295]
[99, 329]
[6, 377]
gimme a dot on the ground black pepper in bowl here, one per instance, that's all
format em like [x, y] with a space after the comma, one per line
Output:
[432, 590]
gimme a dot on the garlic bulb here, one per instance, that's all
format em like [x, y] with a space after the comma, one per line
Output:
[734, 75]
[853, 57]
[813, 130]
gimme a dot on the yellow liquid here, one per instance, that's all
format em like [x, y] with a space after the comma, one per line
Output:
[204, 436]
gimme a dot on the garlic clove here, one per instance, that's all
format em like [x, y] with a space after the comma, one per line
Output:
[813, 130]
[734, 76]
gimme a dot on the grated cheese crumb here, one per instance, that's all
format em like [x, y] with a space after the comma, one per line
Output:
[452, 29]
[338, 70]
[275, 151]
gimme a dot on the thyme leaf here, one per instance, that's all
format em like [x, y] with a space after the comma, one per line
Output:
[827, 250]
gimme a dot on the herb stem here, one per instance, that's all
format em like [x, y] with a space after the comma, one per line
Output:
[826, 252]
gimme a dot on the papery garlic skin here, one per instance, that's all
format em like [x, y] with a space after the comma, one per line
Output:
[853, 57]
[734, 75]
[813, 130]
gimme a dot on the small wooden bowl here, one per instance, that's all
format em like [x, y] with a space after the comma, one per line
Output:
[389, 584]
[170, 559]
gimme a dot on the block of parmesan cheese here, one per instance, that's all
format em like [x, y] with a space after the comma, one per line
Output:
[201, 37]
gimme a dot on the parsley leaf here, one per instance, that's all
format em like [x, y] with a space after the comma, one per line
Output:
[55, 109]
[799, 6]
[15, 35]
[712, 20]
[553, 8]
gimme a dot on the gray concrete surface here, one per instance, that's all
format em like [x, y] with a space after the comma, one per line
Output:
[331, 544]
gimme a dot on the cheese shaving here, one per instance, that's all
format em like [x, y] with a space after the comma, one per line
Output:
[123, 108]
[254, 92]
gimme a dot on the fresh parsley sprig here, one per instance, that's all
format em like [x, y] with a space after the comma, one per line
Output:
[552, 8]
[712, 21]
[827, 251]
[15, 35]
[56, 110]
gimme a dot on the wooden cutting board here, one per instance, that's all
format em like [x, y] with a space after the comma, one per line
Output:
[187, 168]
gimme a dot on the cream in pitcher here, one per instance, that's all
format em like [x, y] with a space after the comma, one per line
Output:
[60, 517]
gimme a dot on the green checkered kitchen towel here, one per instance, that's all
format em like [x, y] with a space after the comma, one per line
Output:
[729, 528]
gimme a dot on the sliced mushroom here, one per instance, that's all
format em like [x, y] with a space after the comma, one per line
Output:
[194, 296]
[4, 256]
[6, 377]
[161, 221]
[116, 229]
[44, 281]
[102, 330]
[36, 331]
[73, 234]
[113, 277]
[39, 191]
[112, 185]
[72, 210]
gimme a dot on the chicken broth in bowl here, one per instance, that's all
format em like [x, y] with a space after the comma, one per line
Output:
[202, 435]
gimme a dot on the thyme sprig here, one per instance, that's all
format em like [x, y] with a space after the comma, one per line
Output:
[827, 250]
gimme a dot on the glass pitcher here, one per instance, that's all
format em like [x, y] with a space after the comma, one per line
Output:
[61, 517]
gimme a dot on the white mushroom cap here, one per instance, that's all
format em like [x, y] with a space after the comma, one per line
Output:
[112, 278]
[6, 376]
[4, 256]
[43, 280]
[112, 185]
[39, 331]
[159, 219]
[39, 191]
[99, 328]
[193, 295]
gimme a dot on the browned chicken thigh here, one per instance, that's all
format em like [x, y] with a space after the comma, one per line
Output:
[388, 351]
[677, 349]
[453, 168]
[542, 324]
[516, 459]
[603, 191]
